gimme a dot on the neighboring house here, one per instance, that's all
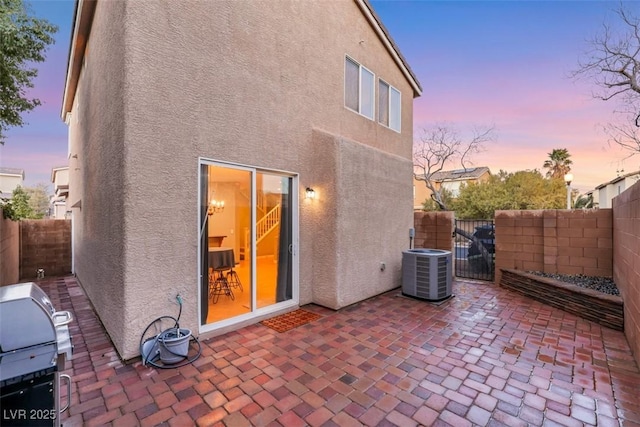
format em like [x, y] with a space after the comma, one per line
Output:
[60, 179]
[10, 178]
[449, 180]
[604, 193]
[274, 138]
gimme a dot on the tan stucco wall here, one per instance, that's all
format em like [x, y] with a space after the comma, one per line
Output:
[626, 269]
[420, 194]
[96, 174]
[242, 82]
[360, 220]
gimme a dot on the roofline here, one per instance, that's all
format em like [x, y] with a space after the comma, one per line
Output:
[467, 178]
[83, 17]
[388, 42]
[56, 169]
[20, 174]
[481, 169]
[618, 179]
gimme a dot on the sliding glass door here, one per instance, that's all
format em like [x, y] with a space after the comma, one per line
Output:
[247, 241]
[273, 239]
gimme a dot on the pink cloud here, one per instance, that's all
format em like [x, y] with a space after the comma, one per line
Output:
[531, 120]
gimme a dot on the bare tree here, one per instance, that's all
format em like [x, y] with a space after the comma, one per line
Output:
[440, 146]
[613, 64]
[625, 131]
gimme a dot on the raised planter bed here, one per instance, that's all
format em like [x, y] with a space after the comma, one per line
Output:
[607, 310]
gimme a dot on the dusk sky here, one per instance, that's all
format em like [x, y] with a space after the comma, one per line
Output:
[502, 63]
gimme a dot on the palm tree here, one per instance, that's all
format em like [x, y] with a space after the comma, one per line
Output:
[558, 164]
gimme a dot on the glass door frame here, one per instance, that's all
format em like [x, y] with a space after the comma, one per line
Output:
[255, 312]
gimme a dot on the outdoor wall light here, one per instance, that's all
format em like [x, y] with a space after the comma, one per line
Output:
[216, 206]
[310, 193]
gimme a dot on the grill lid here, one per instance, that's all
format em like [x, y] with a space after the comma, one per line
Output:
[27, 317]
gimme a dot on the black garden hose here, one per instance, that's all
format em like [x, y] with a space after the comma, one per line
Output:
[147, 359]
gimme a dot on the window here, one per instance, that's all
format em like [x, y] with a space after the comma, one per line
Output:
[388, 105]
[358, 88]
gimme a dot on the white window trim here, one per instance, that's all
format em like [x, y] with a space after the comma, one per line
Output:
[391, 89]
[360, 93]
[389, 109]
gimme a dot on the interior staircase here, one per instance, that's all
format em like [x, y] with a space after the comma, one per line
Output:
[267, 223]
[268, 220]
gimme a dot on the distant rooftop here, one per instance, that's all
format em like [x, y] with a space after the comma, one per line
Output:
[12, 171]
[468, 173]
[618, 178]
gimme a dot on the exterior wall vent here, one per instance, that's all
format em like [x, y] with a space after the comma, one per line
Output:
[426, 274]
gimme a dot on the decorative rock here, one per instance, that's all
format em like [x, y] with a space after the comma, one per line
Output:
[601, 284]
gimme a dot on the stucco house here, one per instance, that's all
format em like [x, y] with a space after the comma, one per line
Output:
[604, 193]
[60, 180]
[10, 179]
[450, 180]
[274, 140]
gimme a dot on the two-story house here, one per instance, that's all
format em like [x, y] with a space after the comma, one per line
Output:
[450, 180]
[10, 179]
[604, 193]
[60, 180]
[271, 140]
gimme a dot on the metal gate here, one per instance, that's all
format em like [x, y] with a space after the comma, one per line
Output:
[474, 246]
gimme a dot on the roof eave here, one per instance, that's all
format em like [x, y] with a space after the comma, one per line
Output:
[83, 17]
[388, 42]
[55, 170]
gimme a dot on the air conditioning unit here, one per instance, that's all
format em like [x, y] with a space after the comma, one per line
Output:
[426, 274]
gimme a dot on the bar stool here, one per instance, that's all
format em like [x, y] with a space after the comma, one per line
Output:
[218, 284]
[234, 280]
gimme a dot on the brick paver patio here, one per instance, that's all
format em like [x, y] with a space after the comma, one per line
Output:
[486, 357]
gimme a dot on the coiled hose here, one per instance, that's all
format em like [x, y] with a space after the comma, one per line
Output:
[150, 356]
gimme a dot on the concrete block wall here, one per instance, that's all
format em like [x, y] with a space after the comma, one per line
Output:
[9, 251]
[555, 241]
[519, 241]
[45, 243]
[626, 254]
[434, 230]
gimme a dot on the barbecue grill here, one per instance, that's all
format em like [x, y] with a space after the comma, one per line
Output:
[34, 344]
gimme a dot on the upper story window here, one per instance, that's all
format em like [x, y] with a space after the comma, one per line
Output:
[359, 88]
[389, 105]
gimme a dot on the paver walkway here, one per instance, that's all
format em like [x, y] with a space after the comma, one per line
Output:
[486, 357]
